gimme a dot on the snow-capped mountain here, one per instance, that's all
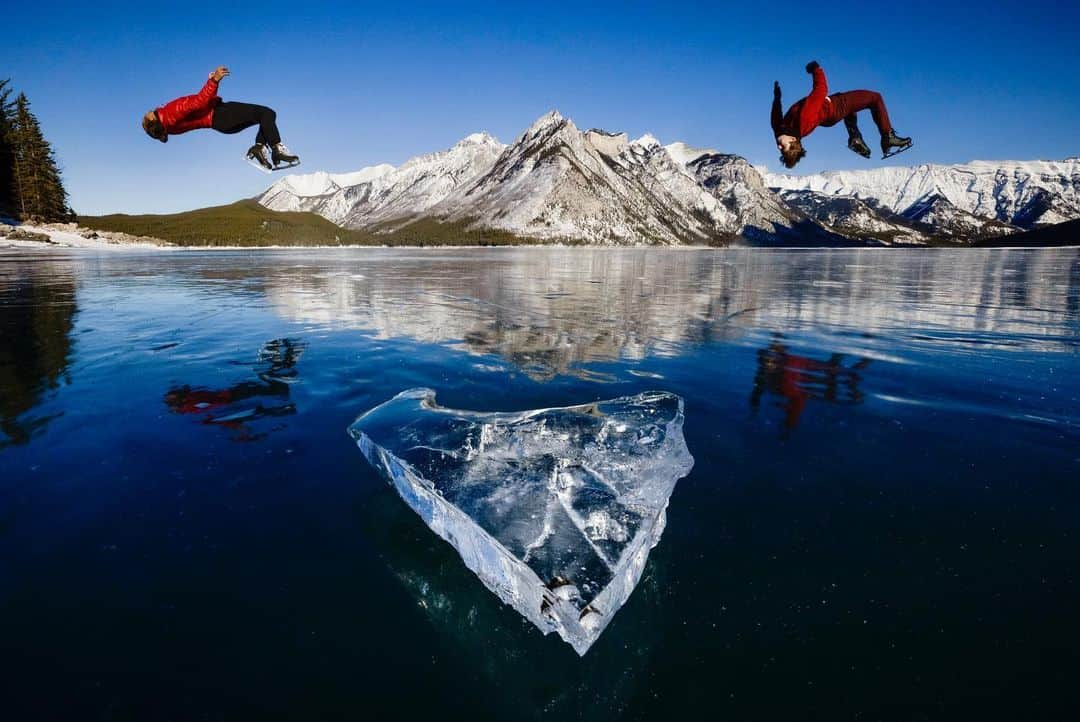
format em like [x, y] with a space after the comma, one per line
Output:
[932, 218]
[556, 182]
[1022, 194]
[852, 217]
[383, 193]
[935, 214]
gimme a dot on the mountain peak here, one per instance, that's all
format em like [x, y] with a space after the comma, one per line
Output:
[546, 126]
[646, 141]
[548, 119]
[481, 138]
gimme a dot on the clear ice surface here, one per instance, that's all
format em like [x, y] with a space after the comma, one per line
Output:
[554, 509]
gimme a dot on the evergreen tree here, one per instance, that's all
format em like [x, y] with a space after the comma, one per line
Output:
[7, 154]
[39, 190]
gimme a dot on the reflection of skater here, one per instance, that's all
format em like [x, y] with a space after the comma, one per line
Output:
[820, 108]
[798, 379]
[206, 110]
[225, 407]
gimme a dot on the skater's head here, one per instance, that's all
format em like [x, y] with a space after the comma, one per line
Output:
[791, 150]
[153, 127]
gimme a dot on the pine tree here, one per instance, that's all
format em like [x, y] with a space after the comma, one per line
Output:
[39, 190]
[7, 153]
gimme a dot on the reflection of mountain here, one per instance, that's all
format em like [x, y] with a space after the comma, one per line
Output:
[545, 310]
[37, 312]
[550, 310]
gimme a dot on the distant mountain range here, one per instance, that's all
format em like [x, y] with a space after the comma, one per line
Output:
[555, 182]
[968, 201]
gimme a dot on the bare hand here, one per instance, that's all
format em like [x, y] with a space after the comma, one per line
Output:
[220, 73]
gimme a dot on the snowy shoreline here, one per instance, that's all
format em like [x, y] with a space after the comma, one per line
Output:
[71, 235]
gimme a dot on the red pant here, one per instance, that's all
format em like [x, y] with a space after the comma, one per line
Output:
[846, 105]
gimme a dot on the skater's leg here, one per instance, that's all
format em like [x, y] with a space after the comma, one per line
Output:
[235, 117]
[851, 122]
[853, 101]
[855, 140]
[268, 133]
[891, 143]
[880, 114]
[268, 130]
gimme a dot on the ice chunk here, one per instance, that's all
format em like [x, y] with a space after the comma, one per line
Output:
[554, 509]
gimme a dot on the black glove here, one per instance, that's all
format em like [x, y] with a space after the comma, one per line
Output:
[776, 89]
[812, 66]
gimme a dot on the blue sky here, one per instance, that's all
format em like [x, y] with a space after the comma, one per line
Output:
[361, 83]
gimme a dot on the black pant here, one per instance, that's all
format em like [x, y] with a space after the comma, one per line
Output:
[235, 117]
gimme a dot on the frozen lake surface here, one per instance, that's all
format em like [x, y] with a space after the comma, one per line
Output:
[881, 518]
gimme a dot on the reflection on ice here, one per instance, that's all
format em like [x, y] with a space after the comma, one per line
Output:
[796, 379]
[37, 318]
[554, 509]
[239, 406]
[552, 311]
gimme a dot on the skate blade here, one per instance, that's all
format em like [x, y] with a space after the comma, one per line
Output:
[898, 152]
[257, 165]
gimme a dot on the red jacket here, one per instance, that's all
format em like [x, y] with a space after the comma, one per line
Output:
[191, 111]
[808, 113]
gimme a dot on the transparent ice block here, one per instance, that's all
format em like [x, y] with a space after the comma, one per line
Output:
[554, 509]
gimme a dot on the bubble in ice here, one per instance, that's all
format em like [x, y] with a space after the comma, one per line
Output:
[555, 510]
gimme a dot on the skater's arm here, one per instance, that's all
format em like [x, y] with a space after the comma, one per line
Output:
[808, 119]
[201, 101]
[777, 109]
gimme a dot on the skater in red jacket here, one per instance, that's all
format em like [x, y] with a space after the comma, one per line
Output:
[206, 110]
[820, 108]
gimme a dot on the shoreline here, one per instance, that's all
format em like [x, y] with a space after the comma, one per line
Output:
[73, 236]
